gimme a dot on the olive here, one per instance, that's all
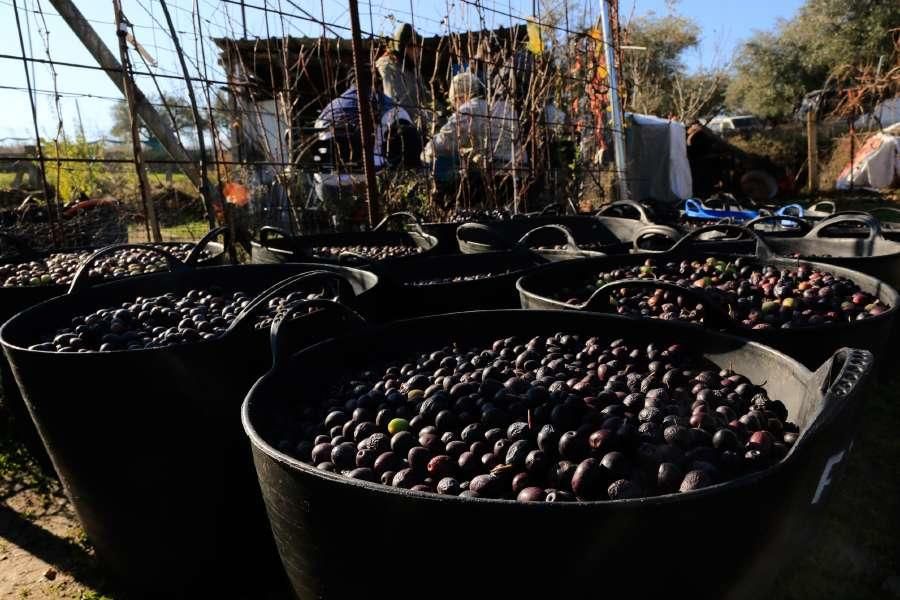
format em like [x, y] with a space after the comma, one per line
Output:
[531, 494]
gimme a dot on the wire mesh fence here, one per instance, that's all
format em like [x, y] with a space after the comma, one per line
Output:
[475, 106]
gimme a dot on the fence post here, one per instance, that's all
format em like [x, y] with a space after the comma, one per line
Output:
[618, 119]
[812, 150]
[205, 189]
[143, 185]
[363, 90]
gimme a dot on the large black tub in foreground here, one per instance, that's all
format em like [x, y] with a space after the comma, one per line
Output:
[14, 299]
[344, 538]
[148, 443]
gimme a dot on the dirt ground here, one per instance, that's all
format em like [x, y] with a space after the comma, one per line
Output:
[43, 551]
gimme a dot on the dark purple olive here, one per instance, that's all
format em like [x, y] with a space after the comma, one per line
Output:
[321, 453]
[517, 453]
[616, 464]
[404, 479]
[694, 480]
[623, 489]
[521, 481]
[572, 446]
[677, 436]
[536, 463]
[590, 480]
[669, 477]
[448, 487]
[418, 458]
[485, 485]
[469, 463]
[344, 456]
[531, 494]
[402, 442]
[362, 474]
[388, 461]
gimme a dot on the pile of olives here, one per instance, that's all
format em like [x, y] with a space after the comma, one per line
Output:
[755, 295]
[60, 268]
[166, 320]
[551, 419]
[454, 279]
[373, 253]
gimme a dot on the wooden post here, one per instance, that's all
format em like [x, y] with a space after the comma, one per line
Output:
[143, 185]
[367, 129]
[812, 150]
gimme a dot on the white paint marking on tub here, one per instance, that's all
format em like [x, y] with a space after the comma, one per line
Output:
[825, 479]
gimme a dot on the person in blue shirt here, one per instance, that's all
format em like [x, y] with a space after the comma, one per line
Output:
[396, 143]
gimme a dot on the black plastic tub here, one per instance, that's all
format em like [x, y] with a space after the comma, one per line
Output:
[809, 345]
[339, 537]
[831, 242]
[278, 246]
[428, 285]
[148, 443]
[16, 299]
[584, 235]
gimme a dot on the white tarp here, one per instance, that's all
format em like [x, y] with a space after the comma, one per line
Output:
[264, 127]
[657, 159]
[886, 113]
[877, 162]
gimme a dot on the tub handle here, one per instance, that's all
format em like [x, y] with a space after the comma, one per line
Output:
[714, 314]
[662, 230]
[550, 209]
[885, 209]
[276, 341]
[802, 223]
[403, 216]
[571, 244]
[81, 280]
[762, 249]
[495, 239]
[643, 217]
[825, 206]
[840, 379]
[194, 256]
[873, 225]
[267, 231]
[264, 297]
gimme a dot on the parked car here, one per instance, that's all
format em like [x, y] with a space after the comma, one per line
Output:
[724, 124]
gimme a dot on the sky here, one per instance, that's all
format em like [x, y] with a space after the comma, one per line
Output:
[90, 94]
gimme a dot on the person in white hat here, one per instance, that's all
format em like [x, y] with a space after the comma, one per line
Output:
[476, 130]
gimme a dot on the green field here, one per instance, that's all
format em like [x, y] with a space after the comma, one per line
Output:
[184, 232]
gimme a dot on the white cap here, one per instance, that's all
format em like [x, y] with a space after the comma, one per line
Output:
[465, 85]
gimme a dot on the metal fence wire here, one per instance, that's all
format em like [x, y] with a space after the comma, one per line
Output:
[257, 106]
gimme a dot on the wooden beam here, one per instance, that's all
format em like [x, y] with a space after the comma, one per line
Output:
[104, 57]
[153, 232]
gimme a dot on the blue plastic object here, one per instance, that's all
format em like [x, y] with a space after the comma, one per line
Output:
[694, 209]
